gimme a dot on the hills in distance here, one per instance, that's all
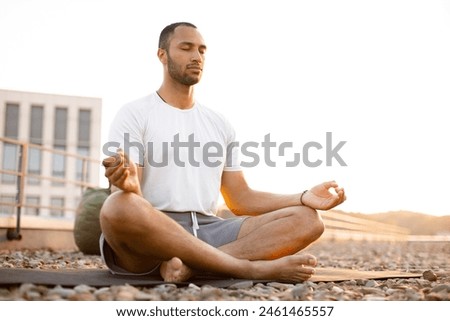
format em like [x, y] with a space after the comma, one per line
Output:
[417, 223]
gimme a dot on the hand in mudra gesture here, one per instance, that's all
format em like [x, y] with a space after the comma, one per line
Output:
[321, 198]
[122, 173]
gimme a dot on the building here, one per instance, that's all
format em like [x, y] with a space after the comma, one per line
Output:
[59, 137]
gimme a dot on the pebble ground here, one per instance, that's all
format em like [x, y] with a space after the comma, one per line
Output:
[432, 260]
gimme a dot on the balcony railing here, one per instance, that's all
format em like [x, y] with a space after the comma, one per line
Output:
[18, 172]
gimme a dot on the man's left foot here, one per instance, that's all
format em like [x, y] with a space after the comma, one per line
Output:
[175, 270]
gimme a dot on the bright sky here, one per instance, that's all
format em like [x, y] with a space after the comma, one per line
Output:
[375, 74]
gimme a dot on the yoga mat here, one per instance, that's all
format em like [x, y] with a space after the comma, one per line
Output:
[102, 277]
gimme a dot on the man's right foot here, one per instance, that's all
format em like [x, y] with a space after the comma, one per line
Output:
[293, 268]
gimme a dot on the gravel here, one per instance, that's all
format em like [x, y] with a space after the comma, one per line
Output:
[431, 259]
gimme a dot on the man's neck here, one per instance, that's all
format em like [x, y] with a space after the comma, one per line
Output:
[178, 96]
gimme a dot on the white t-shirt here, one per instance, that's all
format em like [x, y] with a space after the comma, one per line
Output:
[184, 152]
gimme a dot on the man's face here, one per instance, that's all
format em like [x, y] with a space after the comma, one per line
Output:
[186, 56]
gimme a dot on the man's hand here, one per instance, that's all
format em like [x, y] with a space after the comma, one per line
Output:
[122, 173]
[320, 198]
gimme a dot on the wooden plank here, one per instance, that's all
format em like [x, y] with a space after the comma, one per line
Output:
[331, 233]
[347, 218]
[356, 227]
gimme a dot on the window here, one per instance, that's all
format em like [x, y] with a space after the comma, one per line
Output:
[10, 162]
[10, 151]
[58, 167]
[57, 203]
[84, 128]
[12, 121]
[35, 154]
[34, 201]
[5, 204]
[36, 122]
[82, 151]
[84, 137]
[60, 133]
[34, 165]
[60, 141]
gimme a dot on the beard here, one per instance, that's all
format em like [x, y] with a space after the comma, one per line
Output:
[176, 72]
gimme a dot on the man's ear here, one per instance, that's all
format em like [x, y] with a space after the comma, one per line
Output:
[162, 55]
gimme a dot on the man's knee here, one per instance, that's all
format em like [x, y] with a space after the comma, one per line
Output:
[115, 208]
[312, 226]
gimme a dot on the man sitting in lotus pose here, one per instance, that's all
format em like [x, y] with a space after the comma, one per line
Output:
[161, 214]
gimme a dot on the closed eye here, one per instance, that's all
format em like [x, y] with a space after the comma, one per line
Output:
[189, 46]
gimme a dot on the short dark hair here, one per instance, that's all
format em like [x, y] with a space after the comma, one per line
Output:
[168, 31]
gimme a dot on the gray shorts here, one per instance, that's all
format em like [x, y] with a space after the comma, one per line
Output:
[213, 230]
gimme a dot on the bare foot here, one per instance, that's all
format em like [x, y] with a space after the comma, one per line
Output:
[297, 267]
[175, 270]
[293, 268]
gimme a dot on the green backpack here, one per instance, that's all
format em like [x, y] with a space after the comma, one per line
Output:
[87, 228]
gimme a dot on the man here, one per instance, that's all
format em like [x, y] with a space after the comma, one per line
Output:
[161, 218]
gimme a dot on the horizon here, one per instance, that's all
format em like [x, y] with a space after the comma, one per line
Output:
[318, 68]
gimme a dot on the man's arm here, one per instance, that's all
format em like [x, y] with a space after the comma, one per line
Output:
[242, 200]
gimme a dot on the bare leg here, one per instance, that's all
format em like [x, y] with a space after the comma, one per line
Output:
[276, 234]
[270, 236]
[143, 237]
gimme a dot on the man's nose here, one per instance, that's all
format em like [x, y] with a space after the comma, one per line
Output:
[197, 56]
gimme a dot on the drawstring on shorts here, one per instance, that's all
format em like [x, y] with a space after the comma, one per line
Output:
[195, 226]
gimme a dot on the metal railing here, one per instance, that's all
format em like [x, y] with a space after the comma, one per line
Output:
[21, 174]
